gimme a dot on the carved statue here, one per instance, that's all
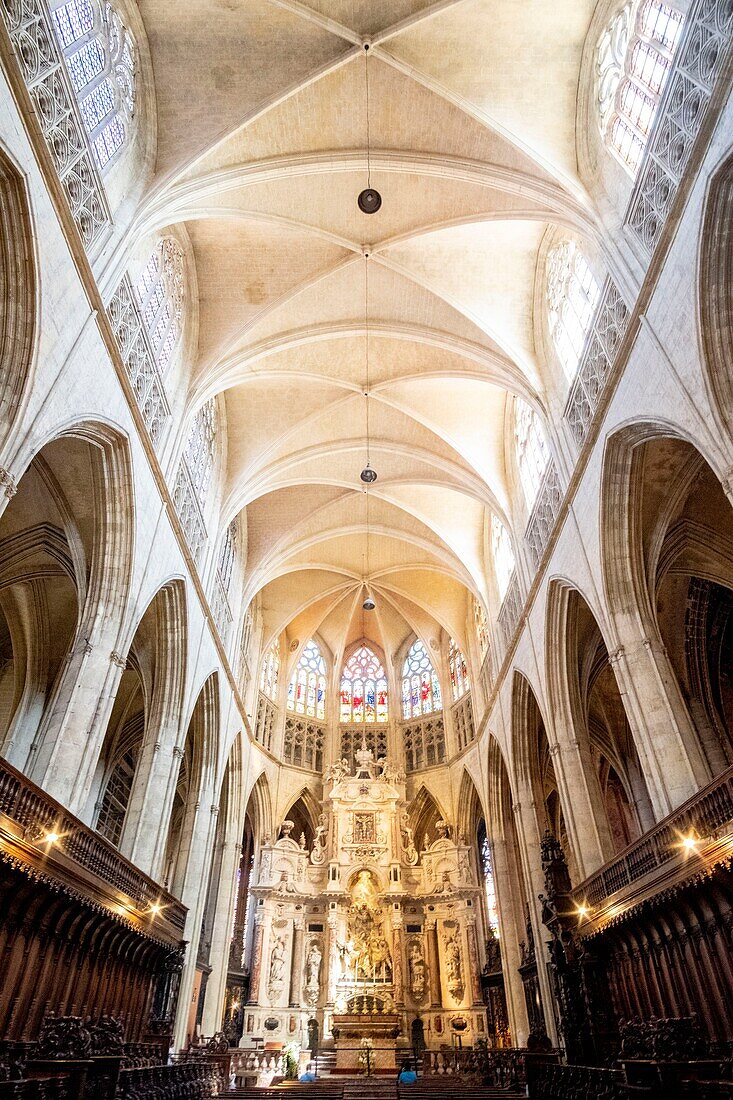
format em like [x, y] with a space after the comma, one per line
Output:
[453, 965]
[408, 839]
[338, 771]
[442, 828]
[277, 964]
[388, 772]
[318, 852]
[313, 973]
[286, 829]
[418, 972]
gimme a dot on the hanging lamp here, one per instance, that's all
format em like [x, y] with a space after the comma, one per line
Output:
[369, 200]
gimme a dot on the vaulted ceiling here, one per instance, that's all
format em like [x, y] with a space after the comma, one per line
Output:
[262, 124]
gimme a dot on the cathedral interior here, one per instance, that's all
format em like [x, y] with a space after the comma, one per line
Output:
[366, 548]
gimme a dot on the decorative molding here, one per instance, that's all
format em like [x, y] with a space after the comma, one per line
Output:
[44, 73]
[510, 610]
[544, 513]
[265, 724]
[189, 511]
[137, 355]
[699, 62]
[424, 741]
[304, 739]
[463, 724]
[599, 355]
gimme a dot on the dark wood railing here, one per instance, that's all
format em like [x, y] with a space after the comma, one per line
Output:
[35, 815]
[703, 816]
[507, 1068]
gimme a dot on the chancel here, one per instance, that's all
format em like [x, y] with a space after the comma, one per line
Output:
[366, 549]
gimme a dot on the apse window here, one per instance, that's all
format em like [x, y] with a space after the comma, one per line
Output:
[100, 59]
[420, 684]
[460, 682]
[307, 688]
[633, 60]
[364, 695]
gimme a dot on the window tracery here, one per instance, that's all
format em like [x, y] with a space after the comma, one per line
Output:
[572, 297]
[633, 58]
[458, 668]
[201, 449]
[307, 688]
[503, 554]
[160, 291]
[531, 449]
[481, 625]
[100, 58]
[420, 684]
[270, 674]
[364, 692]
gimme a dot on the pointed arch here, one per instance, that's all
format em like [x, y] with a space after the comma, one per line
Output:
[715, 282]
[424, 811]
[259, 808]
[18, 295]
[470, 808]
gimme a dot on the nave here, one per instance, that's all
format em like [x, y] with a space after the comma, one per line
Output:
[366, 548]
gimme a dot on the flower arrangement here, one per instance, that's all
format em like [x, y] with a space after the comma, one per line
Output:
[291, 1056]
[365, 1055]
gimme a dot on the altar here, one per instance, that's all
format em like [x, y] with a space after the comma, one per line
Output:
[356, 935]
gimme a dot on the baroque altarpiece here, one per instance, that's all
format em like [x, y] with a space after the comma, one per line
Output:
[363, 922]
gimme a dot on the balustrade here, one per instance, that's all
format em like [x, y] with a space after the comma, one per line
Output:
[704, 815]
[39, 816]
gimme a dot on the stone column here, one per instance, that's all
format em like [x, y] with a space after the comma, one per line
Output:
[473, 963]
[510, 905]
[145, 830]
[254, 984]
[220, 939]
[431, 936]
[333, 957]
[582, 803]
[664, 735]
[296, 962]
[398, 955]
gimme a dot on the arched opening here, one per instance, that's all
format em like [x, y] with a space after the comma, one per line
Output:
[17, 295]
[304, 815]
[65, 557]
[585, 692]
[716, 291]
[424, 814]
[196, 762]
[673, 582]
[146, 702]
[536, 767]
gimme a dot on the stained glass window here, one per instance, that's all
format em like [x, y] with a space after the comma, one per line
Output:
[501, 548]
[160, 291]
[492, 909]
[201, 448]
[458, 670]
[420, 684]
[531, 449]
[270, 671]
[364, 693]
[100, 58]
[481, 624]
[572, 296]
[633, 59]
[307, 689]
